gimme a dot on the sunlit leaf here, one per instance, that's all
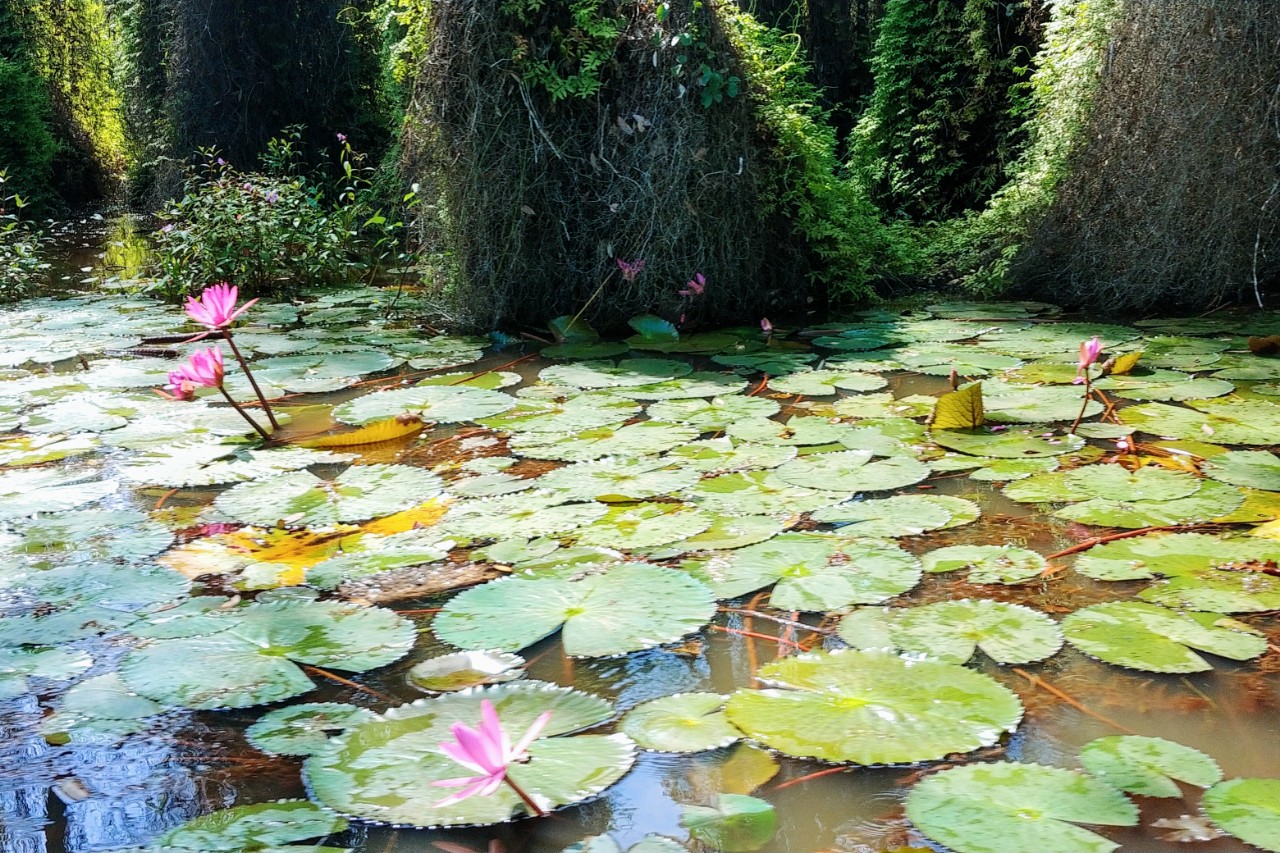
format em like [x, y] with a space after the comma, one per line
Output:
[1148, 765]
[960, 409]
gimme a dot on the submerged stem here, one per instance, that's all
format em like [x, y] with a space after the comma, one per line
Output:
[266, 407]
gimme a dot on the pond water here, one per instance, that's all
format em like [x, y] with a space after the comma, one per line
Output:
[756, 518]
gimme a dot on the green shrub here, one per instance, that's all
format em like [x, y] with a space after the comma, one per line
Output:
[274, 231]
[27, 146]
[21, 263]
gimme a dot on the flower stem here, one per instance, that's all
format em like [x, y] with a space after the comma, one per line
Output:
[528, 801]
[1088, 397]
[244, 414]
[226, 336]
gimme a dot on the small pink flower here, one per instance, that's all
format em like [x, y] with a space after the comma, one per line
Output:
[1123, 445]
[693, 287]
[183, 389]
[221, 162]
[766, 326]
[1089, 352]
[216, 307]
[342, 138]
[167, 228]
[248, 186]
[487, 751]
[630, 269]
[203, 370]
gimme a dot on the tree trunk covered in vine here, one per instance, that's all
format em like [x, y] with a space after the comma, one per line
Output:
[1173, 199]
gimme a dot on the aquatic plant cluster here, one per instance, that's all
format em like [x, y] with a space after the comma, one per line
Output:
[514, 538]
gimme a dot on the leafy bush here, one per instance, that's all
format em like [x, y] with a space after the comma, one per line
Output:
[21, 264]
[27, 145]
[275, 231]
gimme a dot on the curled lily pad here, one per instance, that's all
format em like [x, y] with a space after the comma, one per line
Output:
[685, 722]
[986, 563]
[1249, 809]
[461, 670]
[1155, 639]
[1148, 765]
[873, 707]
[382, 770]
[1017, 808]
[303, 499]
[629, 607]
[302, 729]
[255, 658]
[954, 630]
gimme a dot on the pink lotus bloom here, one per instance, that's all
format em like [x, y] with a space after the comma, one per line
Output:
[694, 286]
[630, 269]
[1089, 352]
[204, 370]
[183, 388]
[216, 307]
[485, 750]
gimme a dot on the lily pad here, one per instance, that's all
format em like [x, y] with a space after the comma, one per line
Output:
[715, 414]
[954, 630]
[1011, 444]
[618, 479]
[263, 826]
[737, 823]
[723, 455]
[606, 374]
[1216, 422]
[987, 563]
[251, 661]
[382, 770]
[628, 608]
[1256, 469]
[302, 729]
[1249, 809]
[1172, 555]
[299, 498]
[1017, 808]
[437, 403]
[1148, 765]
[644, 525]
[852, 471]
[1155, 639]
[901, 515]
[759, 493]
[56, 664]
[824, 383]
[646, 438]
[685, 722]
[873, 707]
[461, 670]
[799, 431]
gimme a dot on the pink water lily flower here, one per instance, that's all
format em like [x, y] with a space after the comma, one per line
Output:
[631, 269]
[766, 326]
[182, 388]
[1089, 352]
[216, 307]
[204, 370]
[487, 751]
[694, 286]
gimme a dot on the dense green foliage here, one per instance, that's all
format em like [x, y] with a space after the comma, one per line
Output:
[65, 142]
[275, 231]
[21, 261]
[939, 131]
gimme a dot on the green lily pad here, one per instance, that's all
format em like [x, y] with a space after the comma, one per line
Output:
[954, 630]
[461, 670]
[107, 697]
[901, 515]
[303, 729]
[1172, 555]
[737, 823]
[533, 514]
[873, 707]
[812, 572]
[208, 464]
[1117, 483]
[435, 403]
[772, 362]
[1164, 386]
[685, 722]
[585, 411]
[1249, 809]
[382, 770]
[647, 438]
[1155, 639]
[799, 431]
[251, 661]
[1216, 421]
[1257, 469]
[1011, 444]
[81, 536]
[27, 491]
[262, 826]
[824, 383]
[726, 533]
[618, 479]
[1148, 765]
[1017, 808]
[1013, 404]
[723, 455]
[1211, 501]
[644, 525]
[629, 372]
[627, 608]
[759, 493]
[698, 384]
[715, 414]
[987, 563]
[852, 471]
[373, 554]
[302, 499]
[56, 664]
